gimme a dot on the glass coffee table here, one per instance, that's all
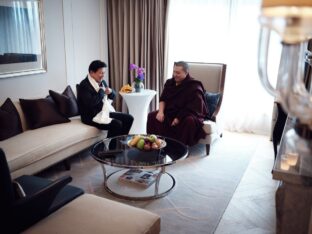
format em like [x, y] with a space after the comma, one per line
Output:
[117, 152]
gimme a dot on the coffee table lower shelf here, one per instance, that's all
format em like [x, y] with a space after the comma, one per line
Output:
[129, 191]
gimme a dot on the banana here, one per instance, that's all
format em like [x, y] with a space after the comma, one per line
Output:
[135, 140]
[126, 89]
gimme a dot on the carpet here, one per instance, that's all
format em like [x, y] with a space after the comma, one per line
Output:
[204, 185]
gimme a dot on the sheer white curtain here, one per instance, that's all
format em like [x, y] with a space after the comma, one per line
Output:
[225, 31]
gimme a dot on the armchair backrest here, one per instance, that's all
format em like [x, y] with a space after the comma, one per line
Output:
[24, 212]
[212, 76]
[7, 192]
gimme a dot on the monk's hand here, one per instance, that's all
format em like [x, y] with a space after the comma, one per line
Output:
[175, 122]
[160, 116]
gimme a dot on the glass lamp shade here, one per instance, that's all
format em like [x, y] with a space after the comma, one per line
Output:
[291, 19]
[290, 90]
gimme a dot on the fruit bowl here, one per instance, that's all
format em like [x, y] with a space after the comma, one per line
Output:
[146, 143]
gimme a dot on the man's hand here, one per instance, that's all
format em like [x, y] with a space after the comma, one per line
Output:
[107, 91]
[160, 116]
[175, 122]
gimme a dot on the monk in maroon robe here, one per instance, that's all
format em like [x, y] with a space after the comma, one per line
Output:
[182, 108]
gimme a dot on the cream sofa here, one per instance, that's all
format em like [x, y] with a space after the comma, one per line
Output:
[34, 150]
[91, 214]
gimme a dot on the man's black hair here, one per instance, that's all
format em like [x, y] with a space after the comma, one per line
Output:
[95, 65]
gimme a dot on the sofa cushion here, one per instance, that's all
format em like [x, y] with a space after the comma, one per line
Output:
[41, 112]
[10, 122]
[66, 102]
[92, 214]
[212, 100]
[21, 114]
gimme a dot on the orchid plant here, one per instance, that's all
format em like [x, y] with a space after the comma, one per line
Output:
[139, 76]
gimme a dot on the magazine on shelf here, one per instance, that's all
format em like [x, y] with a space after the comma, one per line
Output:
[139, 177]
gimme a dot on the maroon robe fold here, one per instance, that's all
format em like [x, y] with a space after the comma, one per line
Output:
[185, 102]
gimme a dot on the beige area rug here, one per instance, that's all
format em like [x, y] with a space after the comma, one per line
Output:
[204, 185]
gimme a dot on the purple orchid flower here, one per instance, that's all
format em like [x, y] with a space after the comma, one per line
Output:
[140, 76]
[139, 72]
[132, 67]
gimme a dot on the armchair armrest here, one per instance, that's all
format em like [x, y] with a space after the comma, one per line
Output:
[30, 209]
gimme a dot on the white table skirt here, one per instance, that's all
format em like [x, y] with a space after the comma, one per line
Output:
[138, 104]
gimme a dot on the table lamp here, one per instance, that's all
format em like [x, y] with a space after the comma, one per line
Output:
[292, 21]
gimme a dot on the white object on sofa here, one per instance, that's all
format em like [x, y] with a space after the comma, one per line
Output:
[34, 150]
[212, 76]
[103, 116]
[92, 214]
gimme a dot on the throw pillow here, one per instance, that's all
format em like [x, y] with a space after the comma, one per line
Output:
[66, 102]
[212, 100]
[10, 122]
[41, 112]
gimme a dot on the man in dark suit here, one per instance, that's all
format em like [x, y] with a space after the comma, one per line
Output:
[90, 94]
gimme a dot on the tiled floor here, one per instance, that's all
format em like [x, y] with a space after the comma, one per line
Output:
[252, 207]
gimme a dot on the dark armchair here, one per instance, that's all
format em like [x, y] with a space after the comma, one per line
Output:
[30, 198]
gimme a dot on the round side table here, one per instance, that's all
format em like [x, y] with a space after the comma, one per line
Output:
[137, 104]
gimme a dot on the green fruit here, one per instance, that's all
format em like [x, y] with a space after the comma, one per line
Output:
[152, 138]
[140, 144]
